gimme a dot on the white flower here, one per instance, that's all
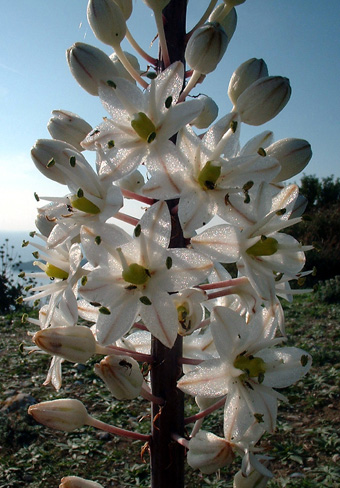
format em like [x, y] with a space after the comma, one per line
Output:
[247, 371]
[63, 266]
[137, 277]
[256, 245]
[92, 199]
[141, 123]
[58, 319]
[208, 178]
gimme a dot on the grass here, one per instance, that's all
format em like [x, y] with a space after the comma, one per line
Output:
[304, 448]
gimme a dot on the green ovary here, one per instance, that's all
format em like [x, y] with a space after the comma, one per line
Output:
[85, 205]
[209, 175]
[143, 126]
[136, 274]
[252, 366]
[55, 272]
[266, 246]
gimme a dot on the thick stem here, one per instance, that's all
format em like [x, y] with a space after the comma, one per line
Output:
[167, 456]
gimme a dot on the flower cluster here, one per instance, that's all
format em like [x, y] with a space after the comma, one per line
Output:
[167, 277]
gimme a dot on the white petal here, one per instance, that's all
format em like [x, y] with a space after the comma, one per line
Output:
[220, 243]
[188, 268]
[112, 327]
[208, 380]
[160, 317]
[195, 210]
[156, 225]
[111, 237]
[178, 116]
[284, 365]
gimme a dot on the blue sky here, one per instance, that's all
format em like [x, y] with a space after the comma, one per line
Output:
[297, 39]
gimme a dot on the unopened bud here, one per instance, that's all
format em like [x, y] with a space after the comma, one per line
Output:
[263, 100]
[68, 127]
[107, 21]
[208, 453]
[133, 182]
[228, 22]
[76, 344]
[47, 150]
[76, 482]
[246, 74]
[293, 156]
[254, 479]
[44, 222]
[208, 113]
[64, 414]
[233, 3]
[206, 48]
[122, 376]
[90, 66]
[125, 7]
[121, 71]
[156, 4]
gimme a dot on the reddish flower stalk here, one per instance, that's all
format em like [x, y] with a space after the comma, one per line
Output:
[205, 412]
[98, 424]
[181, 440]
[221, 284]
[126, 218]
[139, 198]
[138, 356]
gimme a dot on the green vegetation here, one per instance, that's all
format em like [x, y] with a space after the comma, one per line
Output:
[10, 287]
[322, 229]
[304, 448]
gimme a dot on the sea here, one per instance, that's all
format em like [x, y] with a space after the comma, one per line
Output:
[17, 252]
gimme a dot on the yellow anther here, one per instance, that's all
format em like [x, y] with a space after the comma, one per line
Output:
[252, 366]
[84, 205]
[136, 274]
[55, 272]
[263, 247]
[209, 175]
[143, 126]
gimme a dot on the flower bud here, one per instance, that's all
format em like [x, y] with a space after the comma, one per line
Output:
[156, 4]
[233, 3]
[125, 6]
[208, 113]
[254, 479]
[44, 222]
[90, 66]
[65, 414]
[107, 21]
[132, 182]
[68, 127]
[76, 482]
[292, 154]
[206, 47]
[228, 22]
[76, 344]
[48, 154]
[121, 71]
[263, 100]
[122, 376]
[208, 453]
[246, 74]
